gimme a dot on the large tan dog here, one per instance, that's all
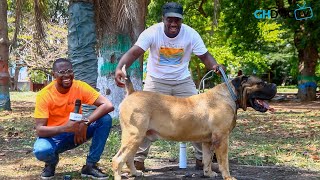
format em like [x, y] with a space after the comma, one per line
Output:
[208, 118]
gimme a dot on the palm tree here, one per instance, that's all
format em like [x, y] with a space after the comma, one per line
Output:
[109, 28]
[118, 28]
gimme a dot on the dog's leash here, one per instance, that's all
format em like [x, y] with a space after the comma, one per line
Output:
[203, 80]
[226, 80]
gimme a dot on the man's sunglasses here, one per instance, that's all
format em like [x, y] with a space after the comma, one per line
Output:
[65, 72]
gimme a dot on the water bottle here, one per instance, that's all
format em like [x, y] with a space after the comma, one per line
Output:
[183, 156]
[67, 177]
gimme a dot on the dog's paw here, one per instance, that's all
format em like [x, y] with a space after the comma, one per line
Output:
[229, 178]
[210, 174]
[137, 174]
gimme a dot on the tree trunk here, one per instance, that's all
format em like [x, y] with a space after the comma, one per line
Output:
[307, 84]
[81, 44]
[114, 44]
[4, 57]
[110, 56]
[81, 41]
[16, 77]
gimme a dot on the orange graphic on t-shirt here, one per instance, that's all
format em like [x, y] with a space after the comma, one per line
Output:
[170, 56]
[170, 51]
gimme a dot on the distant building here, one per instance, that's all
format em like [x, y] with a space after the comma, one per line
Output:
[23, 82]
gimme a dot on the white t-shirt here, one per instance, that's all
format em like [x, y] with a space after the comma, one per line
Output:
[169, 57]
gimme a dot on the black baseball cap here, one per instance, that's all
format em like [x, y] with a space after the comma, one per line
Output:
[172, 9]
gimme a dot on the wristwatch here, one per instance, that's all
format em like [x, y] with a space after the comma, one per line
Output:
[87, 121]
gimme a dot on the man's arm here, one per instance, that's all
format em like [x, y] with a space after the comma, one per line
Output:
[104, 106]
[127, 59]
[210, 62]
[43, 130]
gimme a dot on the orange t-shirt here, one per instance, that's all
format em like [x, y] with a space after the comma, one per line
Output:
[57, 107]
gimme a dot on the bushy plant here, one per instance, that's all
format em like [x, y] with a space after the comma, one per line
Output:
[37, 76]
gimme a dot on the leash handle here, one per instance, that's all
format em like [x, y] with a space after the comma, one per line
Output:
[202, 82]
[225, 78]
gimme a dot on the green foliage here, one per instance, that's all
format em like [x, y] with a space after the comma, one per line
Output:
[154, 12]
[52, 9]
[113, 143]
[307, 31]
[241, 25]
[271, 32]
[318, 72]
[37, 76]
[253, 63]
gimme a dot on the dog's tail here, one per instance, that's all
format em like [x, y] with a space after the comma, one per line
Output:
[128, 83]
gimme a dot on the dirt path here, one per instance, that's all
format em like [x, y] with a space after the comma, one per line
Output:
[164, 169]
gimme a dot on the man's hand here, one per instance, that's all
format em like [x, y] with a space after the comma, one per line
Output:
[79, 128]
[80, 136]
[119, 76]
[216, 68]
[72, 126]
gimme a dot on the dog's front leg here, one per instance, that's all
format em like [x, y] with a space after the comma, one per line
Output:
[117, 165]
[221, 150]
[207, 160]
[129, 146]
[134, 172]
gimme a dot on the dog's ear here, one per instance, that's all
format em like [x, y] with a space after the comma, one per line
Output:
[238, 81]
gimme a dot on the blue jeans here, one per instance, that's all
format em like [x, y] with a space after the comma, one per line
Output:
[48, 149]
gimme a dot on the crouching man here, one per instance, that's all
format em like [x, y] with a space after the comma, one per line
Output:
[57, 133]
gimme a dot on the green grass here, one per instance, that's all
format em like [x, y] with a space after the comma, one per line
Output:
[287, 89]
[290, 137]
[27, 96]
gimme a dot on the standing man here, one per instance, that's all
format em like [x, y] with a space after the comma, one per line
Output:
[57, 133]
[171, 44]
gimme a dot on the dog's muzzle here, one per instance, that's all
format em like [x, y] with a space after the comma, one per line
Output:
[256, 95]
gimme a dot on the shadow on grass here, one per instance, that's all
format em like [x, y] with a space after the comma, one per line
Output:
[58, 176]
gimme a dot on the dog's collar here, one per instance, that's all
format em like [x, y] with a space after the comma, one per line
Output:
[235, 98]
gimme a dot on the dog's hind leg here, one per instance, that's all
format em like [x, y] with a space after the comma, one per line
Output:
[221, 150]
[207, 160]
